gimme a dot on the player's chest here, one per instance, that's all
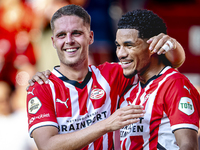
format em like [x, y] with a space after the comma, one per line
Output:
[77, 108]
[73, 101]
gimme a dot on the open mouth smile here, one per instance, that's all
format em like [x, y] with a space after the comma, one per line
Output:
[126, 63]
[71, 50]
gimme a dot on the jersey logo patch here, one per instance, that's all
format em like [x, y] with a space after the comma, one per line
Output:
[97, 94]
[34, 105]
[186, 106]
[186, 88]
[31, 92]
[65, 103]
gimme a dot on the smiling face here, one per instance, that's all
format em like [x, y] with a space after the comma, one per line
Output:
[132, 52]
[71, 38]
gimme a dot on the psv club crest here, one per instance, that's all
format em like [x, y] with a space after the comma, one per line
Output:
[97, 94]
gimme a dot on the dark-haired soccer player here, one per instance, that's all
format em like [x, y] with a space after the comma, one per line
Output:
[171, 102]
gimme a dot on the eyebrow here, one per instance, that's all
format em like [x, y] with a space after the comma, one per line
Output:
[60, 32]
[129, 42]
[126, 42]
[77, 30]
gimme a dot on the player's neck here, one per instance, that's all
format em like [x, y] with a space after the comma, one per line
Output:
[152, 70]
[76, 73]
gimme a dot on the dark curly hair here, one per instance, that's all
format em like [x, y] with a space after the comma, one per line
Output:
[145, 21]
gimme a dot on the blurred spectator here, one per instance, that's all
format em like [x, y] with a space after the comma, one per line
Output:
[17, 52]
[103, 48]
[7, 56]
[13, 126]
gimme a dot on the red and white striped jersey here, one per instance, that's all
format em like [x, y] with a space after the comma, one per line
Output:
[171, 103]
[71, 106]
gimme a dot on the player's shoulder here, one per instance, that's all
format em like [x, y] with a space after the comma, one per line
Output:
[40, 88]
[37, 89]
[178, 79]
[174, 74]
[107, 66]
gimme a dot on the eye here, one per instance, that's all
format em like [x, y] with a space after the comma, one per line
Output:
[129, 45]
[61, 35]
[76, 33]
[117, 45]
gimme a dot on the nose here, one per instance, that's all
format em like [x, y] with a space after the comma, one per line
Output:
[121, 52]
[69, 39]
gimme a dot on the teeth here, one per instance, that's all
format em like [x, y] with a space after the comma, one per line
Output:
[124, 62]
[71, 50]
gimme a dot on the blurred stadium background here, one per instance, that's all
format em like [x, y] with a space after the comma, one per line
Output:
[25, 43]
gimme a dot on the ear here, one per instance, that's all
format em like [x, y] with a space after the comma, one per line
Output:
[52, 39]
[91, 37]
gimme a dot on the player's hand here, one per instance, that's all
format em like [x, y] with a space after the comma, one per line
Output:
[161, 43]
[40, 77]
[123, 117]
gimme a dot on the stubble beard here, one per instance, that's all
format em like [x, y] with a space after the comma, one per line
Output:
[131, 75]
[74, 63]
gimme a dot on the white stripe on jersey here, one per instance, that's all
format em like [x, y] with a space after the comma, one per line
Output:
[91, 146]
[46, 123]
[167, 140]
[53, 94]
[89, 103]
[105, 146]
[183, 125]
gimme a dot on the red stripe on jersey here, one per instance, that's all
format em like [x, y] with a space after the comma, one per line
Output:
[63, 101]
[85, 148]
[83, 97]
[110, 140]
[98, 144]
[154, 128]
[124, 144]
[138, 142]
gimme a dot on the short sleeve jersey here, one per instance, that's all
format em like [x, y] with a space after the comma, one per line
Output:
[171, 103]
[71, 106]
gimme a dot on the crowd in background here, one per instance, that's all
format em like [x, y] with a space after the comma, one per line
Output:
[25, 48]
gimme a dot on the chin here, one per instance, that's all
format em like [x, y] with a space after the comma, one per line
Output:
[130, 75]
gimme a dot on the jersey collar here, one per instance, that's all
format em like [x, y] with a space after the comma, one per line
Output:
[72, 82]
[155, 76]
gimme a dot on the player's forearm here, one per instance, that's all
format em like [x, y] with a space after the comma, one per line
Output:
[176, 56]
[75, 140]
[48, 137]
